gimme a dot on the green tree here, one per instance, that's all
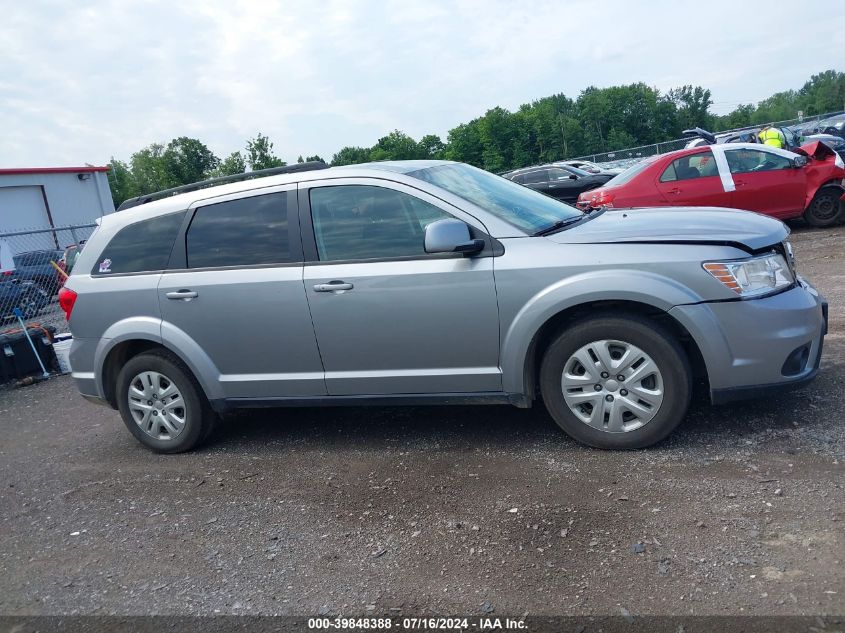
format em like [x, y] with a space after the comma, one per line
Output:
[259, 154]
[188, 160]
[464, 144]
[121, 181]
[234, 163]
[149, 170]
[693, 103]
[430, 146]
[350, 156]
[396, 146]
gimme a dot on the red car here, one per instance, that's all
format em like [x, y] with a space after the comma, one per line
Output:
[806, 183]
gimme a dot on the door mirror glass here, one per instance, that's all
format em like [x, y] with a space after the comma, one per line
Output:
[799, 161]
[450, 236]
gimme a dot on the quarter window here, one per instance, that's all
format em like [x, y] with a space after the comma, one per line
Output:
[140, 247]
[366, 222]
[245, 232]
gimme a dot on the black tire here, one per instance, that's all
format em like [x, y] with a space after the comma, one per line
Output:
[651, 338]
[198, 415]
[826, 209]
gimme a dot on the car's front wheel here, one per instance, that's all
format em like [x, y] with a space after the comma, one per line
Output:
[826, 209]
[616, 382]
[162, 404]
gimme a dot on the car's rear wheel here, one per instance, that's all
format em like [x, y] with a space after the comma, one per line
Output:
[162, 404]
[616, 382]
[826, 209]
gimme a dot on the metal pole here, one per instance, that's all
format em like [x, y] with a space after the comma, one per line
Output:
[19, 314]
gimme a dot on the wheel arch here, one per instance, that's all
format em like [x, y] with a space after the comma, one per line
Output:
[530, 368]
[117, 351]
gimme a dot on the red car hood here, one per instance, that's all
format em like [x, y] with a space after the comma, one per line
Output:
[816, 150]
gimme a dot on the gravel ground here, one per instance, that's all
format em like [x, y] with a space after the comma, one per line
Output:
[418, 511]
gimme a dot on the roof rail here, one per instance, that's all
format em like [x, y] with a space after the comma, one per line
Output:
[211, 182]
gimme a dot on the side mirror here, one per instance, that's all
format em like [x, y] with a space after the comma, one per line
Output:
[450, 236]
[573, 177]
[799, 161]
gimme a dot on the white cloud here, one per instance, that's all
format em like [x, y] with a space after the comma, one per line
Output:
[84, 81]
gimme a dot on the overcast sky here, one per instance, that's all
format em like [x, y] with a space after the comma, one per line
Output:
[83, 81]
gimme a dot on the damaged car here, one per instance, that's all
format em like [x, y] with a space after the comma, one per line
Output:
[806, 183]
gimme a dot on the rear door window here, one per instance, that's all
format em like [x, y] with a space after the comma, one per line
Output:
[245, 232]
[140, 247]
[698, 165]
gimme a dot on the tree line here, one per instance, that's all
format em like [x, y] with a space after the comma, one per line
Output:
[552, 128]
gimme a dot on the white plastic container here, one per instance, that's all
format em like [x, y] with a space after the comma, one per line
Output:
[61, 346]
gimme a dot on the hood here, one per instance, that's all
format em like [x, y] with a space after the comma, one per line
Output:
[678, 225]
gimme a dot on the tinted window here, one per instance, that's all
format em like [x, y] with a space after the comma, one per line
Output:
[534, 177]
[557, 174]
[241, 232]
[364, 222]
[140, 247]
[742, 161]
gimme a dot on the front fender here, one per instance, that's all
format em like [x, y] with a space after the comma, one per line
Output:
[657, 291]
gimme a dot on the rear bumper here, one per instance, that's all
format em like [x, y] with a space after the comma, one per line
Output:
[754, 347]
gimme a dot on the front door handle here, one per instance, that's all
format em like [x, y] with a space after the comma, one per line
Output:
[185, 295]
[674, 191]
[333, 286]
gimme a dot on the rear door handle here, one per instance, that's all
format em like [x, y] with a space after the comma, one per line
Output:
[739, 183]
[333, 286]
[182, 294]
[674, 191]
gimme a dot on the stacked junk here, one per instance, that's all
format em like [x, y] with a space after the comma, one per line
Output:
[30, 348]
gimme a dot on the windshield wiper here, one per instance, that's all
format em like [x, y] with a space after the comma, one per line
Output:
[557, 226]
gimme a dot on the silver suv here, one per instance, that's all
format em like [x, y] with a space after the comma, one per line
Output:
[429, 282]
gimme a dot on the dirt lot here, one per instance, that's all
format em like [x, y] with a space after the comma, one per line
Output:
[433, 510]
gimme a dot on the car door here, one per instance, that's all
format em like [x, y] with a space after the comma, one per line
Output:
[234, 293]
[390, 318]
[565, 185]
[693, 180]
[538, 180]
[766, 182]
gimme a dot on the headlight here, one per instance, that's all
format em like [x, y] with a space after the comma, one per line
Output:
[754, 276]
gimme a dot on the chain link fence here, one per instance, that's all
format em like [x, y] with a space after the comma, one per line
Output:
[631, 155]
[34, 264]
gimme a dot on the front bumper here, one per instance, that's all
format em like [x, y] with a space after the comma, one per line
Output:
[755, 346]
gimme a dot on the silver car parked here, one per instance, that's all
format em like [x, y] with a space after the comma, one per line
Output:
[429, 282]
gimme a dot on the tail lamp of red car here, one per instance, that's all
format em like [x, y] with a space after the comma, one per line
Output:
[602, 199]
[67, 298]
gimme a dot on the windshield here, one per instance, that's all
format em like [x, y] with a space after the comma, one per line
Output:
[629, 174]
[513, 203]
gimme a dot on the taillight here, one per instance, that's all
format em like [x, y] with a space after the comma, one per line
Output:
[602, 199]
[67, 298]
